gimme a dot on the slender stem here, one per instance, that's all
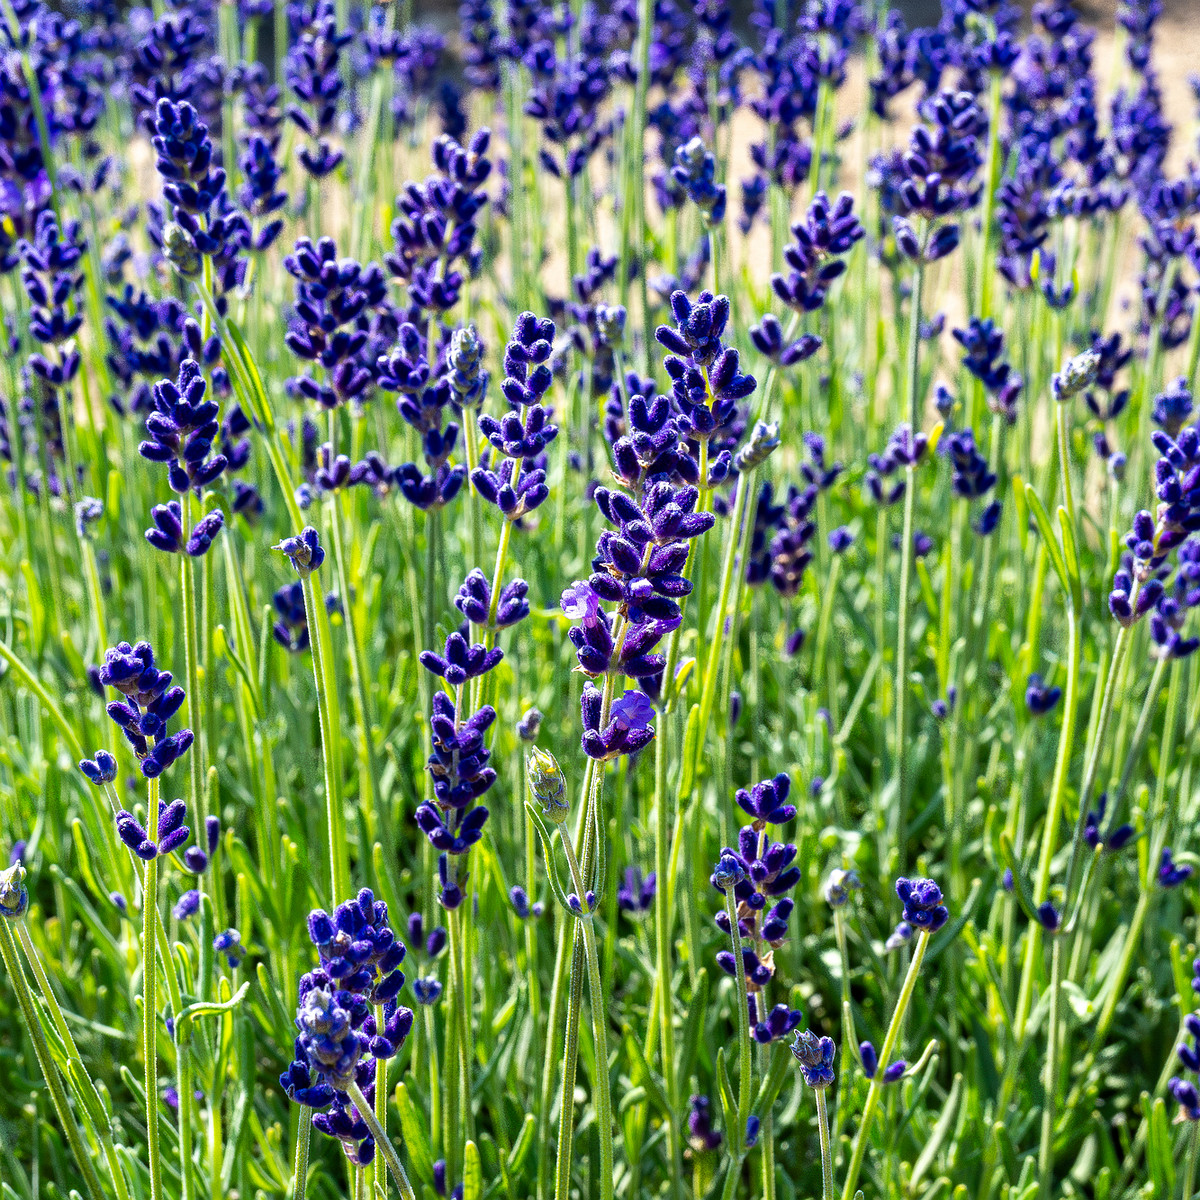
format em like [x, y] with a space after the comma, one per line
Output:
[1050, 1076]
[900, 813]
[191, 651]
[549, 1061]
[885, 1054]
[58, 1096]
[599, 1009]
[1189, 1169]
[384, 1146]
[300, 1166]
[1064, 459]
[183, 1073]
[87, 1095]
[339, 853]
[149, 994]
[566, 1107]
[381, 1084]
[733, 539]
[664, 969]
[743, 1018]
[1058, 787]
[1099, 742]
[826, 1149]
[368, 782]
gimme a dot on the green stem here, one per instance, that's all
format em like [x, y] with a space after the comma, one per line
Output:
[549, 1060]
[381, 1084]
[339, 853]
[191, 651]
[664, 969]
[149, 994]
[826, 1150]
[1041, 887]
[885, 1054]
[381, 1141]
[743, 1018]
[1050, 1077]
[599, 1009]
[566, 1107]
[1189, 1169]
[900, 813]
[58, 1096]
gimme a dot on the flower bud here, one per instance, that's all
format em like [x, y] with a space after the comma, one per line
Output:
[14, 896]
[548, 784]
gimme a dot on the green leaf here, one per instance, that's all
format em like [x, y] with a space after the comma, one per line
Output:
[1071, 559]
[1008, 1151]
[546, 838]
[472, 1173]
[412, 1127]
[524, 1143]
[1159, 1158]
[777, 1074]
[729, 1106]
[224, 647]
[933, 1142]
[927, 595]
[1081, 1005]
[208, 1008]
[1049, 540]
[691, 736]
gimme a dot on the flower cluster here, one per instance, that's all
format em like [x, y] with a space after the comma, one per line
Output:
[314, 76]
[983, 344]
[422, 403]
[1138, 586]
[148, 705]
[707, 385]
[183, 427]
[172, 832]
[823, 238]
[905, 449]
[340, 1038]
[937, 174]
[639, 566]
[331, 294]
[1184, 1090]
[923, 907]
[193, 186]
[436, 226]
[815, 1056]
[518, 484]
[760, 873]
[458, 766]
[695, 173]
[972, 478]
[14, 895]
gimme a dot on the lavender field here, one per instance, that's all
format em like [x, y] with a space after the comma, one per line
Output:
[595, 601]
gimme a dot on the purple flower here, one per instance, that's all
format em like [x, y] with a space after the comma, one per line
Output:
[815, 1056]
[1039, 698]
[580, 603]
[923, 907]
[304, 550]
[1171, 874]
[765, 802]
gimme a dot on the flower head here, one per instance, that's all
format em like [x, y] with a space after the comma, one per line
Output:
[923, 907]
[14, 895]
[815, 1056]
[304, 550]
